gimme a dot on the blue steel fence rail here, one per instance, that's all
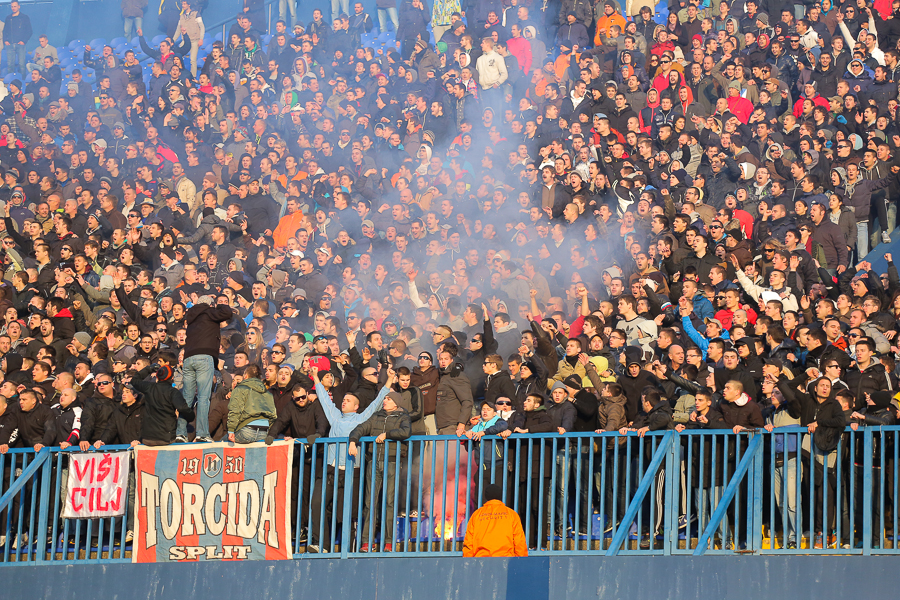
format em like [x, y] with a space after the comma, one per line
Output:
[694, 492]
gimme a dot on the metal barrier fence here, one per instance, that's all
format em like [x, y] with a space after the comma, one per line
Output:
[695, 492]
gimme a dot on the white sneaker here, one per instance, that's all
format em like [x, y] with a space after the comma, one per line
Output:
[23, 538]
[885, 237]
[181, 439]
[129, 536]
[2, 540]
[205, 440]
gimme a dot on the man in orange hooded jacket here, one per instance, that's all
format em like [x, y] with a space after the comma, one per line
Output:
[494, 529]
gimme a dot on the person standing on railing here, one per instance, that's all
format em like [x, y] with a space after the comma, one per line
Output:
[494, 529]
[343, 422]
[201, 353]
[392, 422]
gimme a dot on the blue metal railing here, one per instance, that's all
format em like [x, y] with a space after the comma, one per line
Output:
[695, 492]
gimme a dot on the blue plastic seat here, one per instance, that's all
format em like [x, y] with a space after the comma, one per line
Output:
[117, 41]
[265, 39]
[157, 39]
[98, 43]
[76, 44]
[218, 37]
[135, 41]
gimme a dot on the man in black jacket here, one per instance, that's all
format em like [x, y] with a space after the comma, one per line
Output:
[36, 427]
[498, 382]
[534, 419]
[300, 419]
[145, 316]
[164, 406]
[17, 32]
[201, 355]
[124, 427]
[390, 423]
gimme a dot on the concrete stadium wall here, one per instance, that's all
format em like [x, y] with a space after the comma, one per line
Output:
[537, 578]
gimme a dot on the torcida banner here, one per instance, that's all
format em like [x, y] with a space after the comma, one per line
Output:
[203, 502]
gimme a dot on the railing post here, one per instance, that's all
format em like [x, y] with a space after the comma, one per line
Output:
[46, 495]
[755, 497]
[635, 505]
[673, 496]
[867, 502]
[349, 476]
[722, 507]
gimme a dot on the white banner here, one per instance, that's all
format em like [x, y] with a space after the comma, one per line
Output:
[97, 485]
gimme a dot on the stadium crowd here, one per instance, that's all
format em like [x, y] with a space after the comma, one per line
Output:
[548, 218]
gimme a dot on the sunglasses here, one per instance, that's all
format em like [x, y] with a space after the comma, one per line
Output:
[277, 352]
[853, 335]
[498, 403]
[104, 382]
[424, 358]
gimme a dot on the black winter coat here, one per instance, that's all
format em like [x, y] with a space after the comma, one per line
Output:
[300, 422]
[162, 400]
[536, 421]
[125, 424]
[203, 329]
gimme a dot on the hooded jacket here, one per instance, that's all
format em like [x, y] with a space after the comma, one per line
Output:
[453, 398]
[161, 401]
[859, 193]
[427, 383]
